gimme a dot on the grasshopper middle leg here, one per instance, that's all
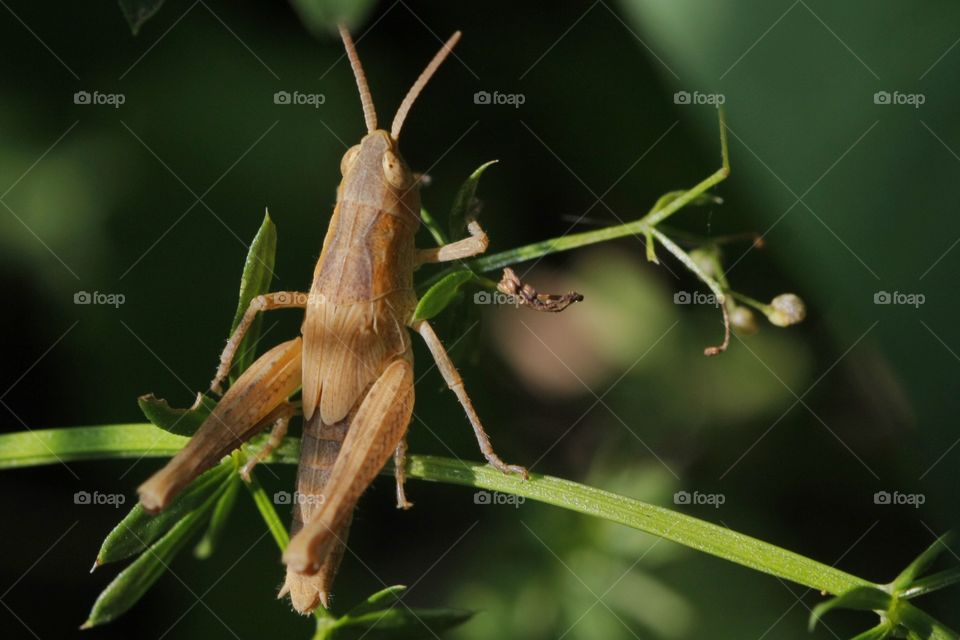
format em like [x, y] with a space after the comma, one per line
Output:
[455, 382]
[400, 474]
[266, 302]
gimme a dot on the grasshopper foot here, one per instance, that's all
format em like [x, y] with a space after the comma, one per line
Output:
[508, 469]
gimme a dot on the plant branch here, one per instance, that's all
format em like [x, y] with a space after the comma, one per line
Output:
[32, 448]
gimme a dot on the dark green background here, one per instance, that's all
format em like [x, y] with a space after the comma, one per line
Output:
[877, 212]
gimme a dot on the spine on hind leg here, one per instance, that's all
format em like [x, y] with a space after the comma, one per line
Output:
[319, 448]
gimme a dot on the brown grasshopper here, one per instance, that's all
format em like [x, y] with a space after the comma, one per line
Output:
[353, 362]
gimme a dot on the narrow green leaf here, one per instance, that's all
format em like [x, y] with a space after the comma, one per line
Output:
[139, 529]
[255, 281]
[935, 582]
[464, 201]
[59, 446]
[398, 623]
[858, 599]
[922, 562]
[268, 512]
[133, 582]
[433, 227]
[138, 12]
[182, 422]
[441, 294]
[379, 600]
[218, 519]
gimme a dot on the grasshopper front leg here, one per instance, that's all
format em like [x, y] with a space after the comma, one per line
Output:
[468, 247]
[266, 302]
[257, 399]
[455, 382]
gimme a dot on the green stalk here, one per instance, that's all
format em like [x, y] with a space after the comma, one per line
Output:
[645, 226]
[52, 446]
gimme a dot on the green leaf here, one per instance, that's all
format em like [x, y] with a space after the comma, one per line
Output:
[921, 563]
[858, 599]
[321, 17]
[931, 583]
[464, 200]
[379, 600]
[879, 632]
[397, 623]
[138, 12]
[433, 227]
[139, 529]
[59, 446]
[218, 519]
[182, 422]
[268, 512]
[441, 294]
[255, 281]
[133, 582]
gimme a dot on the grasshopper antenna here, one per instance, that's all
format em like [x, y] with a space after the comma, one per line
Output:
[369, 112]
[420, 84]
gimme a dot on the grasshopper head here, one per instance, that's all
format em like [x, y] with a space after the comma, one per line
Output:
[377, 154]
[375, 174]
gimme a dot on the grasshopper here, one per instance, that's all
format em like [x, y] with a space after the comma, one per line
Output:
[353, 360]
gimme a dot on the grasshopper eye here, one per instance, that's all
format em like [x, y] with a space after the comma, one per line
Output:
[348, 159]
[394, 170]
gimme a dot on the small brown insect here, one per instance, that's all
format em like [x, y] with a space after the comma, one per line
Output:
[353, 362]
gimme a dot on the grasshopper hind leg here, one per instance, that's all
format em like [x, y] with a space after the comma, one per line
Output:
[320, 445]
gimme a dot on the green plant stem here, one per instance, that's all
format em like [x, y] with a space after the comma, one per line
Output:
[51, 446]
[762, 307]
[690, 264]
[645, 226]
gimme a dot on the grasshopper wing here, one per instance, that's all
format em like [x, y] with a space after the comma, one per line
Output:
[345, 348]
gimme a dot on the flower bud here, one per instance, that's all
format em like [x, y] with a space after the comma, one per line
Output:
[786, 309]
[743, 320]
[706, 259]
